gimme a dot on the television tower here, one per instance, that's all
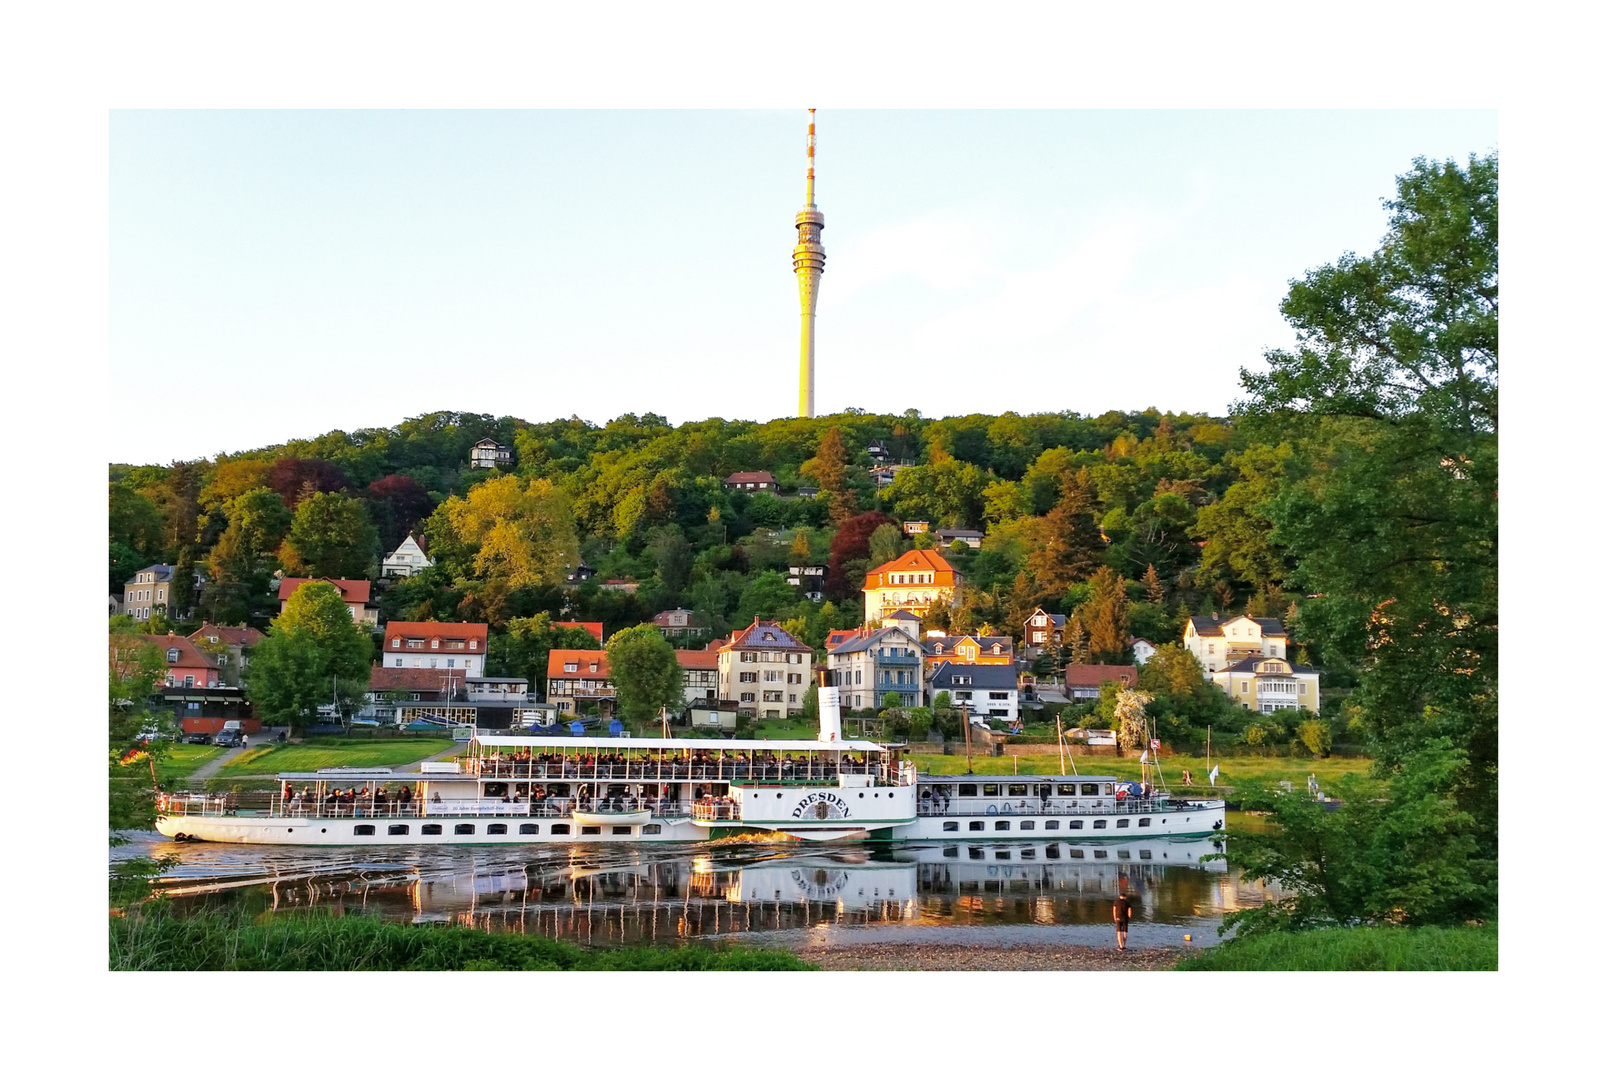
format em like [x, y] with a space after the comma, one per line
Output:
[808, 261]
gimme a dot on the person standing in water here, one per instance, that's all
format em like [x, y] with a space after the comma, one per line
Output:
[1121, 912]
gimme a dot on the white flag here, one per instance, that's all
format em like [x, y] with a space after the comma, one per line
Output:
[1214, 769]
[1144, 757]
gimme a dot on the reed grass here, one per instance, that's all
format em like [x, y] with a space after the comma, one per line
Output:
[1360, 948]
[153, 937]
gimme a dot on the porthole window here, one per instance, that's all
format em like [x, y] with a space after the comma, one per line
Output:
[591, 830]
[398, 830]
[1122, 823]
[560, 830]
[1052, 825]
[978, 826]
[529, 828]
[463, 828]
[363, 830]
[1025, 825]
[622, 830]
[1001, 854]
[1102, 823]
[1142, 854]
[974, 853]
[1076, 824]
[1101, 853]
[1124, 854]
[498, 829]
[861, 794]
[431, 830]
[652, 830]
[951, 853]
[1142, 822]
[951, 826]
[1001, 826]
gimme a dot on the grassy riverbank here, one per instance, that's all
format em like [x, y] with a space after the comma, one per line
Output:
[331, 751]
[153, 938]
[182, 760]
[1360, 948]
[1234, 770]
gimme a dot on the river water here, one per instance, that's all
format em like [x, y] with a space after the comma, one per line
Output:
[755, 893]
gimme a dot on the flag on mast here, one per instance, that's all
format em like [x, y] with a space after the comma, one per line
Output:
[1214, 769]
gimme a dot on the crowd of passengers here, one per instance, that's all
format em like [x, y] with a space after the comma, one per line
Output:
[400, 799]
[689, 765]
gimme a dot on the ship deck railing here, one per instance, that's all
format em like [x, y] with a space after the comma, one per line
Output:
[268, 804]
[652, 772]
[716, 810]
[981, 807]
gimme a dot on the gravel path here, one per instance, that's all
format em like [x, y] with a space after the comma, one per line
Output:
[930, 957]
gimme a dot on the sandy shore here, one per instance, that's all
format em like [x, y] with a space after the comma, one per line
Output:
[928, 957]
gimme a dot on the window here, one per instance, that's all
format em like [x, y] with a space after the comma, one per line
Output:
[559, 830]
[435, 643]
[1302, 689]
[951, 826]
[571, 666]
[450, 662]
[363, 830]
[1051, 825]
[1090, 789]
[172, 656]
[652, 830]
[748, 676]
[990, 791]
[591, 830]
[998, 695]
[1143, 822]
[1027, 825]
[747, 697]
[1102, 824]
[1065, 789]
[463, 828]
[978, 826]
[772, 695]
[1001, 826]
[951, 853]
[497, 829]
[396, 643]
[398, 662]
[968, 789]
[1101, 853]
[431, 830]
[397, 830]
[1002, 853]
[622, 830]
[474, 643]
[1076, 824]
[750, 658]
[1122, 823]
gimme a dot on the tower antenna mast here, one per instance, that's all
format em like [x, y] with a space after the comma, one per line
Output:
[808, 262]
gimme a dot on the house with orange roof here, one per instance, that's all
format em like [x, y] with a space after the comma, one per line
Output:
[577, 679]
[916, 581]
[456, 648]
[595, 629]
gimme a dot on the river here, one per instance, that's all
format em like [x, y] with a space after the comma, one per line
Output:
[785, 895]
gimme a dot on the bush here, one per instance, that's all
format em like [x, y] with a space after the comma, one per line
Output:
[1357, 948]
[1317, 737]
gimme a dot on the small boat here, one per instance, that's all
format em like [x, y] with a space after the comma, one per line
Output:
[612, 817]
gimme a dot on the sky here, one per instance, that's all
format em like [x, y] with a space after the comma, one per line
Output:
[279, 274]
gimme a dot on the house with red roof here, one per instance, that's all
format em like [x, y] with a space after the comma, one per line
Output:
[455, 648]
[230, 645]
[186, 664]
[357, 595]
[751, 481]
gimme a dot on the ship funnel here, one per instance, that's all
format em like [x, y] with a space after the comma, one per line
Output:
[831, 715]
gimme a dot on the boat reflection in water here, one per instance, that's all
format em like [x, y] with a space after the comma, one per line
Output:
[627, 894]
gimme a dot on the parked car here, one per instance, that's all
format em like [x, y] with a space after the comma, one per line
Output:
[199, 738]
[229, 738]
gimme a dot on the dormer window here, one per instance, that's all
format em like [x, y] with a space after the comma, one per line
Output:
[396, 643]
[474, 643]
[172, 656]
[594, 667]
[571, 666]
[435, 643]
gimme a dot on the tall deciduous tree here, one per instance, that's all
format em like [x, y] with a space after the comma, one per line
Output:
[134, 668]
[242, 561]
[520, 532]
[645, 673]
[312, 654]
[1391, 514]
[522, 649]
[330, 536]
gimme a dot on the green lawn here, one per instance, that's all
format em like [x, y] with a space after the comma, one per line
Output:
[327, 752]
[1234, 770]
[181, 760]
[796, 727]
[1361, 948]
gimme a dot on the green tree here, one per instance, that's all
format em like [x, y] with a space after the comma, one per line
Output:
[134, 533]
[135, 668]
[330, 536]
[886, 544]
[645, 673]
[1237, 531]
[515, 531]
[1105, 617]
[765, 597]
[1390, 516]
[892, 700]
[1132, 730]
[521, 649]
[312, 655]
[242, 562]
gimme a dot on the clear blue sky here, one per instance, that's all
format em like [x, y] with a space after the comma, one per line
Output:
[280, 274]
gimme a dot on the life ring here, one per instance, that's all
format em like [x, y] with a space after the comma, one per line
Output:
[993, 808]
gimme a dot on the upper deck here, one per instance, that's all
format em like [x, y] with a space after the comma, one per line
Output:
[786, 761]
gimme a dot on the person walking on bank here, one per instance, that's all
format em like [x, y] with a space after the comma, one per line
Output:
[1122, 913]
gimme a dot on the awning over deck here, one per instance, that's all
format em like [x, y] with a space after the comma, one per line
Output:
[711, 746]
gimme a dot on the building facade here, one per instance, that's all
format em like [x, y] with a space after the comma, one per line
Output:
[988, 691]
[490, 454]
[1220, 643]
[765, 670]
[751, 481]
[874, 663]
[151, 590]
[455, 648]
[700, 673]
[1269, 684]
[916, 581]
[969, 649]
[578, 681]
[1083, 681]
[1044, 632]
[408, 559]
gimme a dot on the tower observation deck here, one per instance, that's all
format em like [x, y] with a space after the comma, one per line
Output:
[808, 262]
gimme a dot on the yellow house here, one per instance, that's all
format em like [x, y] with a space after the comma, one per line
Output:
[968, 649]
[915, 581]
[1218, 643]
[1267, 684]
